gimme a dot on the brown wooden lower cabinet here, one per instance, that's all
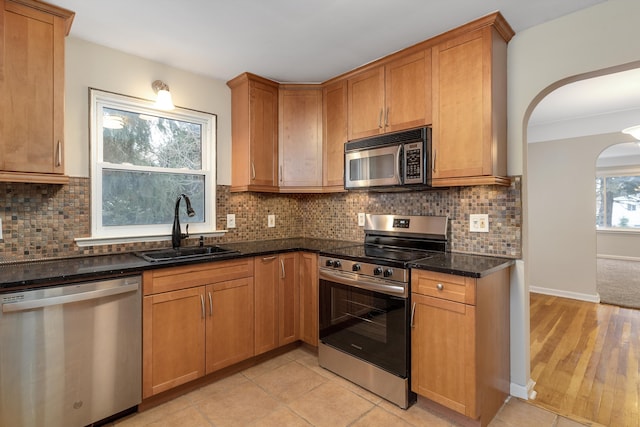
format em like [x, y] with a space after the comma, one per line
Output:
[196, 319]
[276, 301]
[460, 341]
[308, 285]
[200, 318]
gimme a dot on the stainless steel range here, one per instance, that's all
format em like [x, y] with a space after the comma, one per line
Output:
[364, 308]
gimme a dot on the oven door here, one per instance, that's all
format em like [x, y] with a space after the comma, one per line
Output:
[369, 325]
[373, 167]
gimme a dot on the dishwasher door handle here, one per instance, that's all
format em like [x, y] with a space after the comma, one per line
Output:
[66, 299]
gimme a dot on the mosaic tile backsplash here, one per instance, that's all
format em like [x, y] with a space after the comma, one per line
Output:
[41, 221]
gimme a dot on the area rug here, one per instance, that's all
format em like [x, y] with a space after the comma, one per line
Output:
[618, 282]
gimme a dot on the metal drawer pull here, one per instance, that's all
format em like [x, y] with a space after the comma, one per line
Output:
[413, 313]
[202, 302]
[210, 305]
[268, 258]
[440, 286]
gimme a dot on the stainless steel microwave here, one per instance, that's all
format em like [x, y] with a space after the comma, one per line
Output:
[396, 161]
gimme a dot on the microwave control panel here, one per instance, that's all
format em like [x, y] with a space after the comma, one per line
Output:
[413, 167]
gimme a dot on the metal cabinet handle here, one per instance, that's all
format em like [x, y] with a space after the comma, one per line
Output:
[440, 286]
[413, 314]
[280, 173]
[202, 302]
[433, 160]
[380, 118]
[253, 171]
[282, 267]
[386, 118]
[210, 305]
[58, 154]
[268, 258]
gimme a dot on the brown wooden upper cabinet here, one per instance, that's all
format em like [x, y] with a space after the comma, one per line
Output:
[390, 97]
[334, 114]
[254, 131]
[300, 137]
[32, 133]
[470, 107]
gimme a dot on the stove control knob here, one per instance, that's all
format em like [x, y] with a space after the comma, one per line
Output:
[377, 271]
[329, 263]
[356, 267]
[337, 264]
[388, 272]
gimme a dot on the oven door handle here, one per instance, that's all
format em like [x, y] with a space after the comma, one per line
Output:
[350, 279]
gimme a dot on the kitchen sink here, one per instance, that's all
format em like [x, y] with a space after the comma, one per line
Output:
[185, 253]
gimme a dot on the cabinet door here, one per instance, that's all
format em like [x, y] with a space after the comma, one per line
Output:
[462, 140]
[288, 299]
[174, 337]
[263, 133]
[365, 99]
[32, 87]
[408, 92]
[309, 298]
[300, 137]
[443, 353]
[229, 323]
[334, 133]
[266, 275]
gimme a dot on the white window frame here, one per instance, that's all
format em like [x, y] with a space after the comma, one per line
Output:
[153, 232]
[613, 171]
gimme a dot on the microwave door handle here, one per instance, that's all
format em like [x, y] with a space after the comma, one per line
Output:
[399, 156]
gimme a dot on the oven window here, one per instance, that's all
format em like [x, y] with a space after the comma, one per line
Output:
[369, 325]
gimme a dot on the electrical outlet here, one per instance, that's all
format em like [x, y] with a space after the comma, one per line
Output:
[271, 221]
[479, 223]
[231, 220]
[361, 219]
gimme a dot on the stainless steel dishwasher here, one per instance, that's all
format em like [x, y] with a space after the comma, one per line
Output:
[70, 355]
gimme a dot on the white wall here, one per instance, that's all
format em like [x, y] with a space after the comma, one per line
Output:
[618, 245]
[593, 39]
[90, 65]
[562, 236]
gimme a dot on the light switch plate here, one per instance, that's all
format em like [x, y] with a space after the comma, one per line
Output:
[479, 223]
[271, 221]
[360, 219]
[231, 220]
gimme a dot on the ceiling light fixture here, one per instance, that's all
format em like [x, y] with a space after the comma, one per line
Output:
[164, 101]
[634, 131]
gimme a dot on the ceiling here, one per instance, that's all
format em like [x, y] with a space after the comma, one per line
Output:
[286, 40]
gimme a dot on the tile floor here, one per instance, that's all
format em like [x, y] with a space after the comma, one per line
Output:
[292, 390]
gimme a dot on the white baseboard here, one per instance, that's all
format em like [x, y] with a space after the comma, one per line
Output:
[619, 257]
[565, 294]
[523, 392]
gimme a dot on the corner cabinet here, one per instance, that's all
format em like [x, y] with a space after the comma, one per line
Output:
[300, 138]
[390, 97]
[460, 341]
[32, 86]
[470, 106]
[196, 319]
[254, 133]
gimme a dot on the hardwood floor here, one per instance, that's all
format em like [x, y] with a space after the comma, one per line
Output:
[584, 359]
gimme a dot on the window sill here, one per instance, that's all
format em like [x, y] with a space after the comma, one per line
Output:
[630, 231]
[84, 242]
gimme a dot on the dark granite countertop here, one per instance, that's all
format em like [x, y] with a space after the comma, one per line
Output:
[463, 264]
[33, 274]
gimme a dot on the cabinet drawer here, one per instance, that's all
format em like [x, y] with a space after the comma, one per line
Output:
[447, 286]
[174, 278]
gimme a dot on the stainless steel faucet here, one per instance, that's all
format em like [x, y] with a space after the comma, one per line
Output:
[176, 233]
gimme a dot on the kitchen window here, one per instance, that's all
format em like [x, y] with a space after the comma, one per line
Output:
[618, 201]
[142, 160]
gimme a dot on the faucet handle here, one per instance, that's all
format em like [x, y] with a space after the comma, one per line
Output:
[185, 235]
